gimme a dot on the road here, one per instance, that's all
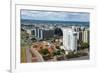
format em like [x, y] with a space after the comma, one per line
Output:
[37, 54]
[28, 56]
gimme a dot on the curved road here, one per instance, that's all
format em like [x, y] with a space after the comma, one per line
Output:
[28, 55]
[36, 53]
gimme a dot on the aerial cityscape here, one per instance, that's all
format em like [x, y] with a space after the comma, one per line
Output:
[48, 36]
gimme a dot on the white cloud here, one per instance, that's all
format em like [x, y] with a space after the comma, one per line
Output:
[50, 15]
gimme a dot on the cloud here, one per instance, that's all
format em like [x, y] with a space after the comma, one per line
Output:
[51, 15]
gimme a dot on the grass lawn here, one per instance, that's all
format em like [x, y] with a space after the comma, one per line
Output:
[23, 55]
[24, 45]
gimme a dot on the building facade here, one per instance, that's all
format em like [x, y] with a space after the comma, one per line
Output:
[43, 33]
[86, 36]
[69, 39]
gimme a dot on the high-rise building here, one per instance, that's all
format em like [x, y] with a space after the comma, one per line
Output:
[86, 36]
[69, 39]
[80, 36]
[44, 33]
[47, 33]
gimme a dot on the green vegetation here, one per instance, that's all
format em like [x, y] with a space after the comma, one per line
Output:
[24, 35]
[58, 47]
[84, 45]
[33, 39]
[25, 43]
[45, 53]
[23, 55]
[75, 54]
[59, 53]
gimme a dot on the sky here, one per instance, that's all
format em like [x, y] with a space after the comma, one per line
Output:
[54, 15]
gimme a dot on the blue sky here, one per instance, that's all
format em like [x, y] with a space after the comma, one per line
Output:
[54, 16]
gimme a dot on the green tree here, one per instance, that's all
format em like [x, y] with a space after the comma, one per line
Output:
[45, 53]
[84, 45]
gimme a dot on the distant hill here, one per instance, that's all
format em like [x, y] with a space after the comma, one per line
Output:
[30, 22]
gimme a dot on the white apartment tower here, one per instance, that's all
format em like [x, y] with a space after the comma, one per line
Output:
[69, 39]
